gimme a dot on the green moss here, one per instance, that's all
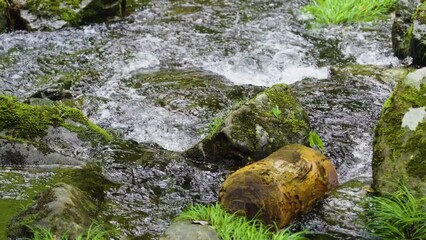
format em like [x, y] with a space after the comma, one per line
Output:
[420, 14]
[9, 208]
[27, 122]
[66, 9]
[3, 5]
[88, 179]
[296, 125]
[399, 152]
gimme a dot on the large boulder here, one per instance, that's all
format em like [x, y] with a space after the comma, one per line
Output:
[400, 137]
[281, 186]
[272, 119]
[63, 209]
[46, 134]
[35, 15]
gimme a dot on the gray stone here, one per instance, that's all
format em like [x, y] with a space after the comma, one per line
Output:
[187, 230]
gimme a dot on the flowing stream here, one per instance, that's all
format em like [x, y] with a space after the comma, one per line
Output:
[248, 42]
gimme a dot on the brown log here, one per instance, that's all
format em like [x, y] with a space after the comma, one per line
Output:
[281, 186]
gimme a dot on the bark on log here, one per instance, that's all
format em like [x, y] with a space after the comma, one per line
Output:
[281, 186]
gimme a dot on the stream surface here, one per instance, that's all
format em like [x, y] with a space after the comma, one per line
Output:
[248, 42]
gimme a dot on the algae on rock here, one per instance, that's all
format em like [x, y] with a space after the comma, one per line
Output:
[43, 134]
[400, 138]
[253, 131]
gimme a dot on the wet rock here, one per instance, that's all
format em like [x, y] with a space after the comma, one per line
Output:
[401, 32]
[400, 137]
[46, 134]
[281, 186]
[253, 130]
[35, 15]
[183, 230]
[409, 31]
[63, 209]
[389, 76]
[192, 92]
[160, 107]
[342, 214]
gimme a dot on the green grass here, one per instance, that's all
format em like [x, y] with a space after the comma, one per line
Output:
[398, 216]
[232, 227]
[95, 232]
[328, 12]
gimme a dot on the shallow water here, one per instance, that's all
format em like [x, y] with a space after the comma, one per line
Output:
[248, 42]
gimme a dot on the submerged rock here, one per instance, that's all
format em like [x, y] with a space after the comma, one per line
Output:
[400, 137]
[35, 15]
[281, 186]
[44, 134]
[272, 119]
[185, 230]
[63, 209]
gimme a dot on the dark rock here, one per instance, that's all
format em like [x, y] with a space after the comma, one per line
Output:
[50, 15]
[401, 32]
[253, 131]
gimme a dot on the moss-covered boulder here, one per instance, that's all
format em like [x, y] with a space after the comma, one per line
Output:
[409, 31]
[63, 209]
[400, 137]
[272, 119]
[55, 14]
[44, 134]
[281, 186]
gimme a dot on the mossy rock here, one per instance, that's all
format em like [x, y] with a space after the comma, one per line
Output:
[35, 15]
[400, 138]
[70, 206]
[193, 92]
[409, 31]
[46, 133]
[402, 27]
[388, 76]
[253, 131]
[63, 209]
